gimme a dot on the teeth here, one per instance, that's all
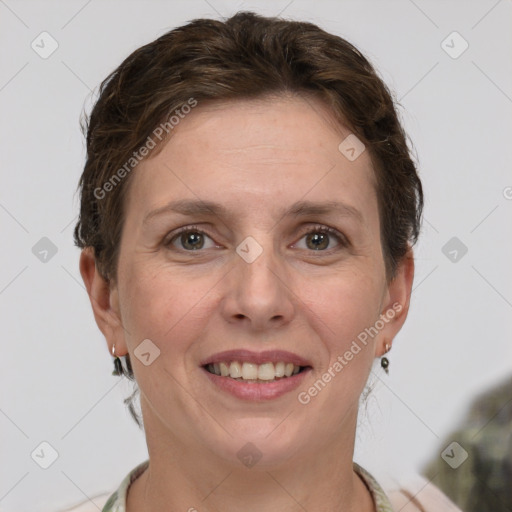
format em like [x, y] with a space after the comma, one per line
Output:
[266, 371]
[249, 371]
[235, 370]
[253, 372]
[224, 369]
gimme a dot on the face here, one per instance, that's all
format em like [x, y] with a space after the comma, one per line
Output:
[282, 263]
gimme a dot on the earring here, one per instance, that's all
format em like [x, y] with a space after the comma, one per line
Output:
[118, 366]
[384, 361]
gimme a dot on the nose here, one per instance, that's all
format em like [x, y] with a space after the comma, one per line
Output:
[258, 294]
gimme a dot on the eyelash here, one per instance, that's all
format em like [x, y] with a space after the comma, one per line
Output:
[343, 241]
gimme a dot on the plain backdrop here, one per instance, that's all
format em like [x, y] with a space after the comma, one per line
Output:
[55, 369]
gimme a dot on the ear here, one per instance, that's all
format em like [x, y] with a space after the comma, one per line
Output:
[395, 305]
[104, 301]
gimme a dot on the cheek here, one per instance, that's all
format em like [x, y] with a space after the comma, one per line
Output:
[347, 305]
[164, 306]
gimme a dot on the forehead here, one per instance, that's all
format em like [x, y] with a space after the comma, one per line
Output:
[273, 148]
[281, 124]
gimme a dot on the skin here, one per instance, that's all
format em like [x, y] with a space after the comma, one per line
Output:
[256, 158]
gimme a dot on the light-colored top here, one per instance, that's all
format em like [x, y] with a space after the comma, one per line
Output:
[430, 499]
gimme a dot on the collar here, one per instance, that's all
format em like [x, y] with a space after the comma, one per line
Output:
[117, 501]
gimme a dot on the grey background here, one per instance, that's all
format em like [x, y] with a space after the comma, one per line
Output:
[55, 369]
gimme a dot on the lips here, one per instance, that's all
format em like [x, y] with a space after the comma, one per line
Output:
[256, 376]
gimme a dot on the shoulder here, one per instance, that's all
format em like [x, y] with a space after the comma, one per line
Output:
[114, 501]
[411, 494]
[420, 496]
[93, 505]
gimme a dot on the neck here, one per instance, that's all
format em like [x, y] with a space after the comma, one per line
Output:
[191, 478]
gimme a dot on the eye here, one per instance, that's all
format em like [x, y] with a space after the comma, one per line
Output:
[318, 238]
[191, 238]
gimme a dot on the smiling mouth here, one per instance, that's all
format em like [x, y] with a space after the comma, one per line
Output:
[251, 372]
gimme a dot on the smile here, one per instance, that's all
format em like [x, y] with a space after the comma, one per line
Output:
[251, 372]
[255, 376]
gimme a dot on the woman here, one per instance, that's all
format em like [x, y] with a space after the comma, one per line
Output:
[248, 210]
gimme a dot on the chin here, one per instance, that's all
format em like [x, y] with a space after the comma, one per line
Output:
[256, 442]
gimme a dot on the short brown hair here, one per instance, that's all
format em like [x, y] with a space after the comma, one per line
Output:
[246, 56]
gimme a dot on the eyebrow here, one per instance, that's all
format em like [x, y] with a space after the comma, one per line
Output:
[298, 209]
